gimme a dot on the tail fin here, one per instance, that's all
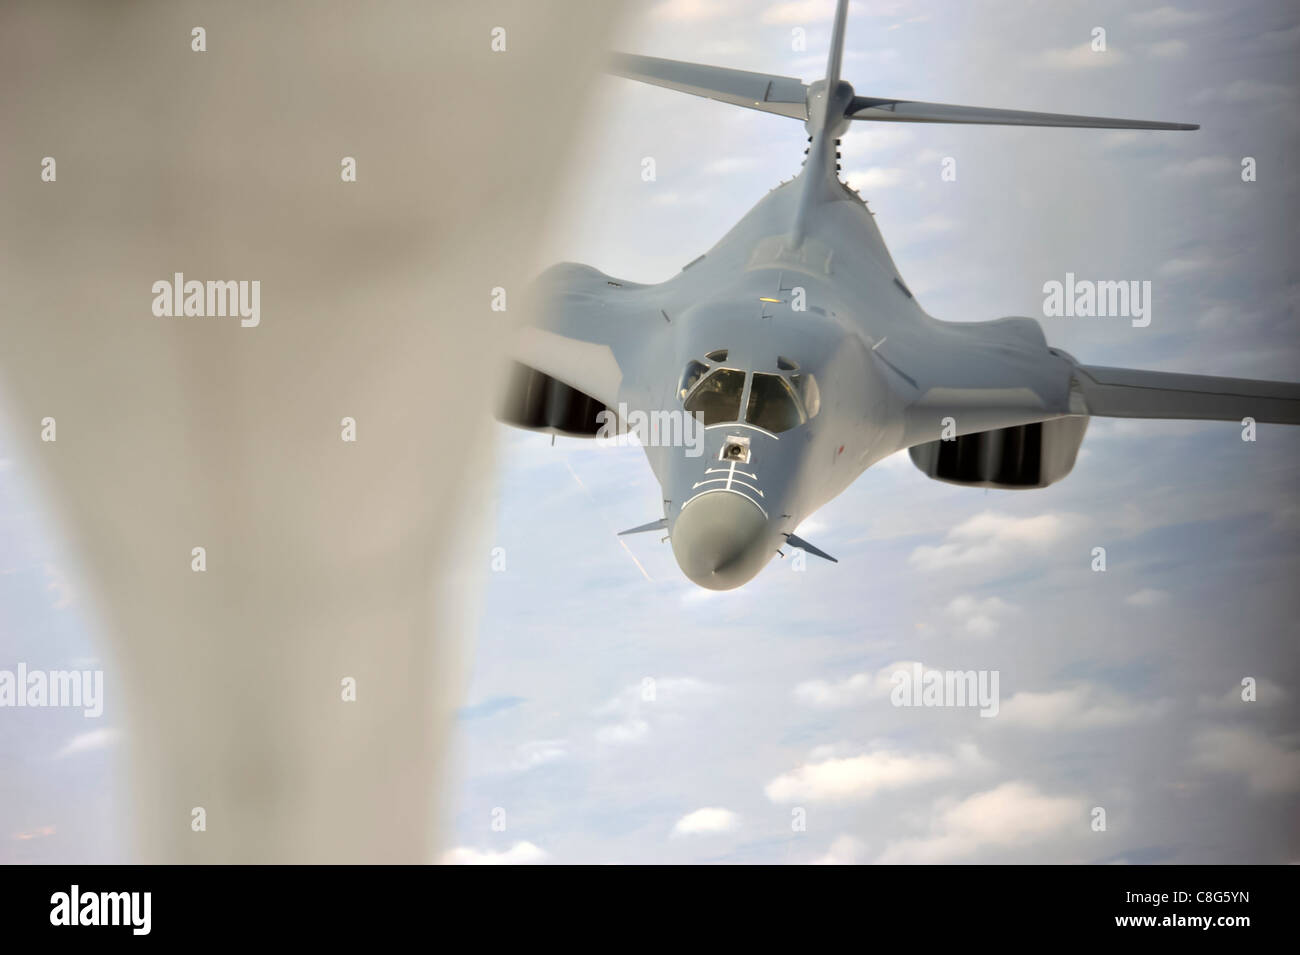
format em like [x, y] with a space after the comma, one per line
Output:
[836, 56]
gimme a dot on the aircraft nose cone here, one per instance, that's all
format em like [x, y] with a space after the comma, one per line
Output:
[719, 540]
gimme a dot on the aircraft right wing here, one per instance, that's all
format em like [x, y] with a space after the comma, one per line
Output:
[1132, 393]
[913, 111]
[783, 95]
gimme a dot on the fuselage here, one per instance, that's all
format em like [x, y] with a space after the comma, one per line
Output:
[805, 406]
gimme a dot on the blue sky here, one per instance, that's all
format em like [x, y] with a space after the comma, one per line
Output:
[59, 771]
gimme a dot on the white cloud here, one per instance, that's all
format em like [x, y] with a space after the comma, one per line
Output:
[1076, 708]
[873, 137]
[1147, 597]
[630, 731]
[707, 820]
[845, 850]
[833, 750]
[638, 706]
[86, 742]
[1014, 814]
[990, 537]
[853, 690]
[875, 177]
[980, 618]
[538, 753]
[1266, 767]
[1267, 693]
[663, 691]
[521, 853]
[856, 778]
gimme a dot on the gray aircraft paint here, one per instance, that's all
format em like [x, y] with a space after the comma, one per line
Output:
[890, 376]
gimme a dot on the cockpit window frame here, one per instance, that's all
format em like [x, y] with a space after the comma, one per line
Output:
[684, 389]
[785, 396]
[741, 395]
[800, 387]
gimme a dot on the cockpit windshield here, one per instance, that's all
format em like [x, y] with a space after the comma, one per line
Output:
[772, 405]
[718, 396]
[690, 378]
[809, 394]
[775, 403]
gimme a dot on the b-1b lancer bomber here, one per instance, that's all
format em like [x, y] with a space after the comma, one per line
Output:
[802, 351]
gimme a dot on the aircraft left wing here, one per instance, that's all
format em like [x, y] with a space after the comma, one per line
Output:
[1132, 393]
[570, 361]
[783, 95]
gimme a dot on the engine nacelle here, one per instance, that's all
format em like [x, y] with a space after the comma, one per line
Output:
[538, 402]
[1025, 456]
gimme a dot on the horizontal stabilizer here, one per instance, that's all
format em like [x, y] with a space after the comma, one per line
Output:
[797, 541]
[1132, 393]
[658, 525]
[911, 111]
[783, 95]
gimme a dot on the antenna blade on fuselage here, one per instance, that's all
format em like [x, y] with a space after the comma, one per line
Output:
[797, 541]
[659, 525]
[912, 111]
[783, 95]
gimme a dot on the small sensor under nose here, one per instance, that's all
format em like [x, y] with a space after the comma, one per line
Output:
[735, 448]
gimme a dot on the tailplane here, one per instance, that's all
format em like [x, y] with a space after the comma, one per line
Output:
[829, 105]
[791, 97]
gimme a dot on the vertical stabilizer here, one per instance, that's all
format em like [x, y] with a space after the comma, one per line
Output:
[828, 102]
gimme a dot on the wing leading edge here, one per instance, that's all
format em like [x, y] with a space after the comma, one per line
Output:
[783, 95]
[1131, 393]
[912, 111]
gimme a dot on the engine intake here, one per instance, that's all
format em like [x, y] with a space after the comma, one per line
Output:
[1017, 458]
[536, 401]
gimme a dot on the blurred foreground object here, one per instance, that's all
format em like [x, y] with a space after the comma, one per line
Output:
[326, 559]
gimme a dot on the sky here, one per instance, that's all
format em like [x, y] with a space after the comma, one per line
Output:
[60, 772]
[615, 713]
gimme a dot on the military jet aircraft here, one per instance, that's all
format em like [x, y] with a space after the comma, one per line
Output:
[808, 359]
